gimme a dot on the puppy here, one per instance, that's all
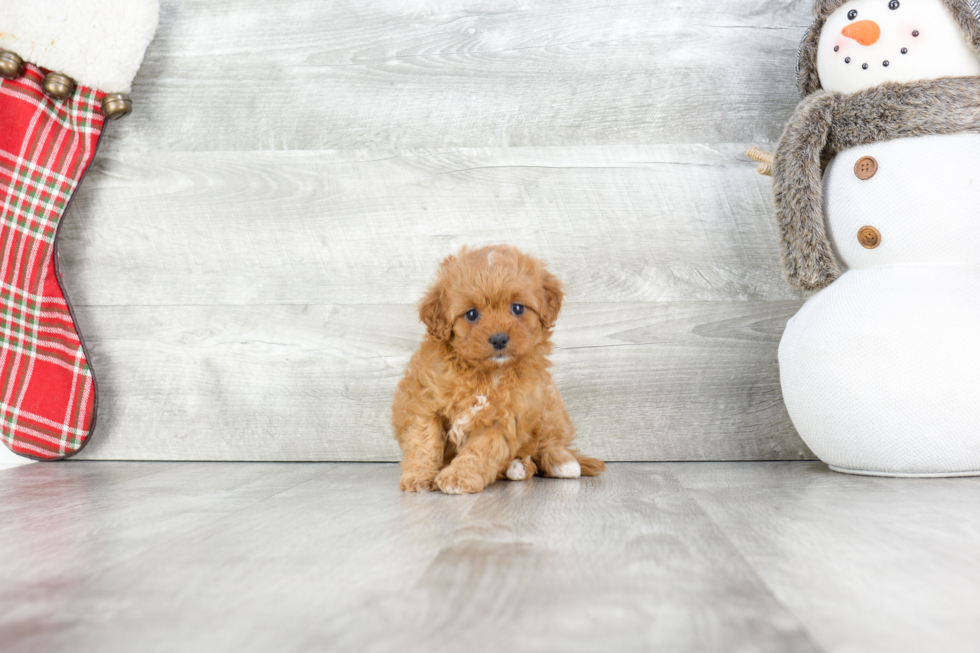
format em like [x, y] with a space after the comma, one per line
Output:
[477, 402]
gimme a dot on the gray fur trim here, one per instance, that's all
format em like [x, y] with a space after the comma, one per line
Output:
[807, 79]
[827, 123]
[797, 179]
[966, 13]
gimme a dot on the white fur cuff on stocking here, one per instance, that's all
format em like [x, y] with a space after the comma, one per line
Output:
[98, 43]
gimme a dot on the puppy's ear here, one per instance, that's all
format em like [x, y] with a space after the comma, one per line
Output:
[554, 293]
[432, 312]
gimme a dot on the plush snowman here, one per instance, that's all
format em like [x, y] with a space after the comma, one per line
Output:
[877, 193]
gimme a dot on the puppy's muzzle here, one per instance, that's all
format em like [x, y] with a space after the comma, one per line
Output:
[499, 341]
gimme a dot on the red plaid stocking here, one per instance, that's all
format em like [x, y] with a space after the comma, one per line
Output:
[47, 391]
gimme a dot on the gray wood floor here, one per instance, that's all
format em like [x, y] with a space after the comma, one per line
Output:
[247, 248]
[101, 556]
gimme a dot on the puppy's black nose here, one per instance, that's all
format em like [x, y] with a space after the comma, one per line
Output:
[499, 340]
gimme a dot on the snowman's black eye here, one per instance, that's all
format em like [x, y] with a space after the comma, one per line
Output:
[852, 14]
[847, 60]
[893, 4]
[905, 50]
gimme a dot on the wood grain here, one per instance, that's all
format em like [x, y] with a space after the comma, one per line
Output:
[745, 557]
[865, 563]
[239, 557]
[616, 224]
[306, 74]
[672, 381]
[246, 249]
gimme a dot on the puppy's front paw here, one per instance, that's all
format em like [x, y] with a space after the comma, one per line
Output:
[454, 481]
[412, 482]
[521, 469]
[516, 470]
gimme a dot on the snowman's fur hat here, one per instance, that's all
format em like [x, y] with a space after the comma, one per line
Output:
[965, 12]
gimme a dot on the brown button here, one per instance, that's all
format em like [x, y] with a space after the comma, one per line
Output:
[869, 237]
[866, 167]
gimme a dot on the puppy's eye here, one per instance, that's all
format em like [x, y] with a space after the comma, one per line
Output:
[472, 315]
[852, 14]
[517, 309]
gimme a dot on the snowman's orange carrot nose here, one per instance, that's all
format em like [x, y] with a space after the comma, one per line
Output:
[865, 32]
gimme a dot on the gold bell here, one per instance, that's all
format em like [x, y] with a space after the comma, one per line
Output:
[11, 66]
[58, 86]
[116, 105]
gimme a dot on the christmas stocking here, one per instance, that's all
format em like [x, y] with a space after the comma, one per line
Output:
[65, 69]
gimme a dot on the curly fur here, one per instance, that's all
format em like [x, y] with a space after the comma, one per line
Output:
[826, 123]
[965, 12]
[467, 414]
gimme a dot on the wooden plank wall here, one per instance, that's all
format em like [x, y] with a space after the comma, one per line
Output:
[247, 250]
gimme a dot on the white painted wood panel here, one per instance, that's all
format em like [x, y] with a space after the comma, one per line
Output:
[315, 74]
[246, 250]
[648, 223]
[663, 381]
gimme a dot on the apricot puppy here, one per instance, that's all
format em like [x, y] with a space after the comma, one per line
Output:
[477, 402]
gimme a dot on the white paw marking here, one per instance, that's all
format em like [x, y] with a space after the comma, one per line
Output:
[516, 471]
[458, 433]
[570, 469]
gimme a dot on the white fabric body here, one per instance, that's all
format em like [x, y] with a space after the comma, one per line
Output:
[924, 199]
[940, 49]
[881, 370]
[98, 43]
